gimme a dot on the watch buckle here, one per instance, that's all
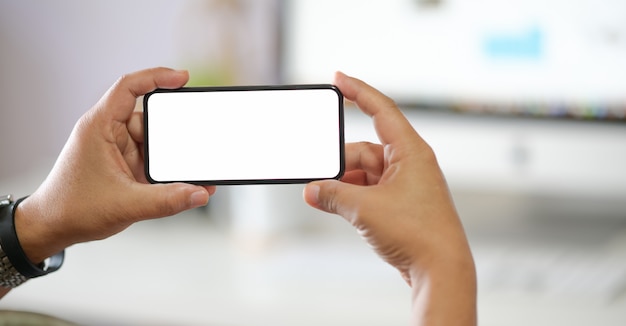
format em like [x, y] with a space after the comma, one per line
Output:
[6, 200]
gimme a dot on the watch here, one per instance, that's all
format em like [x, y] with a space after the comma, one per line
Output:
[15, 267]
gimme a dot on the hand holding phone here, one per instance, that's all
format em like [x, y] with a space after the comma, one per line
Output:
[244, 134]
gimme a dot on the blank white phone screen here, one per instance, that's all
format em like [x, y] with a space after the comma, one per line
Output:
[244, 135]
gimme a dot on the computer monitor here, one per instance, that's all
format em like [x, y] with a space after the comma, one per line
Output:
[524, 95]
[537, 58]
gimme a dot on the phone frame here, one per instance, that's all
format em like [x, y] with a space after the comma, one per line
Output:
[341, 140]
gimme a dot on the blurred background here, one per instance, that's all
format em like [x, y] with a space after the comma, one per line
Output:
[524, 103]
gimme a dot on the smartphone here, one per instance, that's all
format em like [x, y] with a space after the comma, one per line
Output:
[244, 134]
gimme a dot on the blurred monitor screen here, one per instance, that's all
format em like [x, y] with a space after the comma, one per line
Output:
[547, 58]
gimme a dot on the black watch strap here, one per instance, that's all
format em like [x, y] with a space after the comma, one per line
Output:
[13, 250]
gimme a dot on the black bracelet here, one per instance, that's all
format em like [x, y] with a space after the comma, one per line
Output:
[14, 252]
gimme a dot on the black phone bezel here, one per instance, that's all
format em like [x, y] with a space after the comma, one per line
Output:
[341, 140]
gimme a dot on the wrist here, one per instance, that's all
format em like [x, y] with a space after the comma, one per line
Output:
[32, 233]
[443, 288]
[16, 267]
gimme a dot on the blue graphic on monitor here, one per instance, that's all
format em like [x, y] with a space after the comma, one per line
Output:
[524, 45]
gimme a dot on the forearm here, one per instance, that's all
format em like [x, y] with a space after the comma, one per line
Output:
[444, 292]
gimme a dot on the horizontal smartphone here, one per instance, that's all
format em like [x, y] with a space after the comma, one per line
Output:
[244, 134]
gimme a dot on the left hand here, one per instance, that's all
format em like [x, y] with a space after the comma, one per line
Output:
[97, 187]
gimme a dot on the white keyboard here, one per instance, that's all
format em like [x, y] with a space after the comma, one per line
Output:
[552, 271]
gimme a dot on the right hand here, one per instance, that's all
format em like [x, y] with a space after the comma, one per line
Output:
[397, 198]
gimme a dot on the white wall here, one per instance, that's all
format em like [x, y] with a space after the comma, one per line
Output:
[58, 57]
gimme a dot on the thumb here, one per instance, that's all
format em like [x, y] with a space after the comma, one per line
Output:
[160, 200]
[331, 196]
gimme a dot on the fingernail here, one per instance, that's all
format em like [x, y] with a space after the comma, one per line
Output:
[313, 193]
[199, 198]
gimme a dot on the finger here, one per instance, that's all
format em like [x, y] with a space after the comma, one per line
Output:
[211, 189]
[121, 97]
[135, 127]
[365, 156]
[160, 200]
[331, 196]
[391, 125]
[144, 81]
[360, 178]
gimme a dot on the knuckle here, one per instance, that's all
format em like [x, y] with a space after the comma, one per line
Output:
[428, 153]
[170, 205]
[328, 198]
[121, 80]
